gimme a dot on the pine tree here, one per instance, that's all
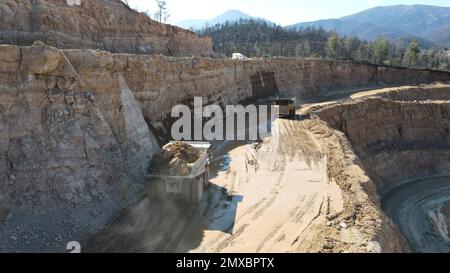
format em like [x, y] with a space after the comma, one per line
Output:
[332, 46]
[412, 54]
[380, 49]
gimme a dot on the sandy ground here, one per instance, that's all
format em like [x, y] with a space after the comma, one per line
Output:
[418, 210]
[262, 198]
[282, 186]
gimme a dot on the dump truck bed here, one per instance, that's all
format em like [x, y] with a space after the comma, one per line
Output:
[197, 168]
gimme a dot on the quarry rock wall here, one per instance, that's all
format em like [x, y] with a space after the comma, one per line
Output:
[161, 82]
[388, 139]
[362, 208]
[63, 170]
[396, 140]
[95, 24]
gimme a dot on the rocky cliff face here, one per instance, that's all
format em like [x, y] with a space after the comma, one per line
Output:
[362, 209]
[64, 170]
[403, 140]
[95, 24]
[160, 82]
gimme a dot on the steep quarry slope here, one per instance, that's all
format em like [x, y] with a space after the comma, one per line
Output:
[64, 171]
[418, 208]
[413, 136]
[95, 24]
[160, 82]
[393, 138]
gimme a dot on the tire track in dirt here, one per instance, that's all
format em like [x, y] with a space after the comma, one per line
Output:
[255, 212]
[296, 216]
[272, 198]
[227, 242]
[277, 229]
[283, 151]
[223, 235]
[297, 240]
[303, 210]
[258, 213]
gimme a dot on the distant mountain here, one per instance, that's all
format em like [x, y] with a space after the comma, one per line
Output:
[415, 19]
[428, 23]
[439, 35]
[230, 16]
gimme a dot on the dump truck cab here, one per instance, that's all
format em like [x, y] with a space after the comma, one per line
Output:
[286, 107]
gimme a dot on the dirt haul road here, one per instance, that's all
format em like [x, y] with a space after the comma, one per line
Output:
[265, 197]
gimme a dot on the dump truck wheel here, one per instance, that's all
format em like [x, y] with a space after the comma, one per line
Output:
[197, 191]
[206, 177]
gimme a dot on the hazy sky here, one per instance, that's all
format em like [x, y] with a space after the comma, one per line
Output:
[283, 12]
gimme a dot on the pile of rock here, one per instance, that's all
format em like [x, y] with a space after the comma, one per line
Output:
[176, 159]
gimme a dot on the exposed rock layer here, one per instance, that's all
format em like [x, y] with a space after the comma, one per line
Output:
[160, 82]
[362, 209]
[396, 140]
[94, 24]
[63, 171]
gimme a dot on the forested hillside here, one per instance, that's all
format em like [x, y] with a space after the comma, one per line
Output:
[255, 38]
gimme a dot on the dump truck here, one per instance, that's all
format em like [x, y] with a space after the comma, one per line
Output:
[287, 107]
[190, 186]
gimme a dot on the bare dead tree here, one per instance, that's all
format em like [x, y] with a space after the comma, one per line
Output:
[127, 4]
[162, 15]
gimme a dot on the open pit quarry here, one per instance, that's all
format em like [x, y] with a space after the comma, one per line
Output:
[365, 169]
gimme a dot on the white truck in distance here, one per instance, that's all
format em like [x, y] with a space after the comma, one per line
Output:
[238, 56]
